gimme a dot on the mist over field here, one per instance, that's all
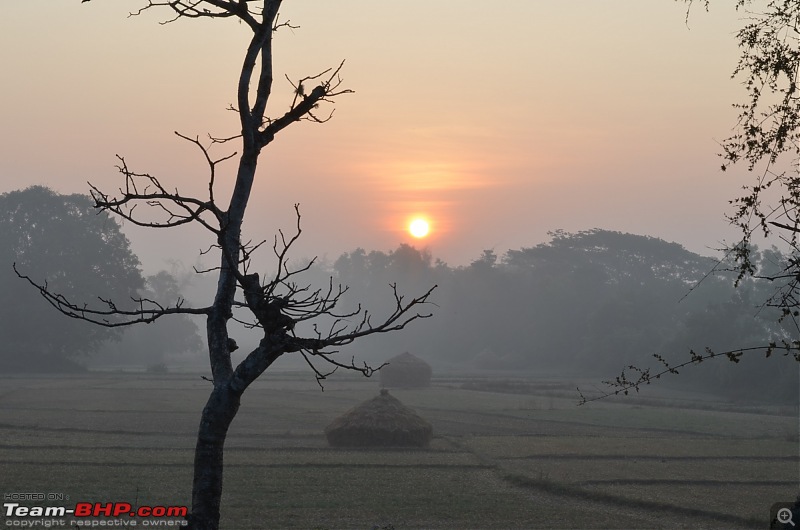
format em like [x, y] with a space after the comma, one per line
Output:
[513, 342]
[261, 314]
[510, 337]
[586, 305]
[580, 305]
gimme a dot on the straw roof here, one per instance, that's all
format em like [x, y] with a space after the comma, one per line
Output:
[383, 421]
[406, 371]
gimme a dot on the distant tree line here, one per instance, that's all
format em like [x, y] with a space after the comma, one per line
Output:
[63, 240]
[584, 304]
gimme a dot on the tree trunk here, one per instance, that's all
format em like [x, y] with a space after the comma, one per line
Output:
[221, 408]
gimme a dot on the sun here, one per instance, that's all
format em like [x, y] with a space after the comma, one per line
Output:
[419, 228]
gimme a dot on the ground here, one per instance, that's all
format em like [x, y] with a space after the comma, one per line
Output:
[520, 456]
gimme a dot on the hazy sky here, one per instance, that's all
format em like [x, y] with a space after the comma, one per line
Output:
[497, 121]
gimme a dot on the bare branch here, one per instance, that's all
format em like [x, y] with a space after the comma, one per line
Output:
[320, 376]
[224, 140]
[110, 315]
[212, 164]
[202, 9]
[143, 188]
[277, 316]
[303, 104]
[402, 315]
[364, 369]
[278, 25]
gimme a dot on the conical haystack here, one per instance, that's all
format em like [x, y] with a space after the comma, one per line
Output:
[406, 371]
[383, 421]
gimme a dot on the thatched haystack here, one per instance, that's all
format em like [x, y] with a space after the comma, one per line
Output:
[383, 421]
[406, 371]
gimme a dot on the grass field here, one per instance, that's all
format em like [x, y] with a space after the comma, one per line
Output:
[498, 460]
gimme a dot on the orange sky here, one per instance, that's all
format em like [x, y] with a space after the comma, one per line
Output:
[498, 122]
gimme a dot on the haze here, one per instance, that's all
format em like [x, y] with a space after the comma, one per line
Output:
[534, 160]
[498, 124]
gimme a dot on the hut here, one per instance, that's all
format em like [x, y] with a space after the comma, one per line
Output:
[405, 371]
[383, 421]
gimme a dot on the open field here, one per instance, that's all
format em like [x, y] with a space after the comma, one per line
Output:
[498, 460]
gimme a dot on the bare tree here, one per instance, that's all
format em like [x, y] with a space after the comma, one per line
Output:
[277, 305]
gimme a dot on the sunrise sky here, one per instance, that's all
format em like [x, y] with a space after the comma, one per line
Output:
[497, 122]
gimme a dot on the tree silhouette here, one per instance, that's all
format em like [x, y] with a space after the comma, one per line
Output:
[294, 318]
[59, 237]
[767, 139]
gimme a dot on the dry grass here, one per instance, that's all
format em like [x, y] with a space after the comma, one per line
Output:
[493, 464]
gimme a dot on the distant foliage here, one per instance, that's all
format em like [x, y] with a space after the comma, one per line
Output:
[64, 241]
[161, 342]
[586, 304]
[766, 138]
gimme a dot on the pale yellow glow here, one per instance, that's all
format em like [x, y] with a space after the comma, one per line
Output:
[419, 228]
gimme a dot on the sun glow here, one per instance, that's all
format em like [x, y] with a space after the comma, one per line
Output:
[419, 228]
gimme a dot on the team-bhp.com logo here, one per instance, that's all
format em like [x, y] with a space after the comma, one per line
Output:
[88, 514]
